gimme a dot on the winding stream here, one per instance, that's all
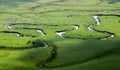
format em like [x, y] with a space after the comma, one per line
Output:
[60, 33]
[9, 26]
[41, 32]
[51, 57]
[96, 18]
[18, 34]
[76, 27]
[12, 32]
[90, 28]
[37, 30]
[108, 37]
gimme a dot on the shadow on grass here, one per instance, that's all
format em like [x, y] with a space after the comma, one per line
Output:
[70, 54]
[31, 44]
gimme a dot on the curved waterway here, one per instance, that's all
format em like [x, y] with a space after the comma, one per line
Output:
[61, 33]
[76, 27]
[9, 27]
[96, 18]
[41, 32]
[37, 30]
[12, 32]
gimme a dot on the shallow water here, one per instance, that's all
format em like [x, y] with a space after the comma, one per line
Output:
[9, 27]
[76, 27]
[96, 18]
[60, 33]
[41, 32]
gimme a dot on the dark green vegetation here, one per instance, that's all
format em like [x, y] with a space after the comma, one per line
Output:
[59, 35]
[111, 1]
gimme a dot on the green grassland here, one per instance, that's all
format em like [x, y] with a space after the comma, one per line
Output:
[88, 47]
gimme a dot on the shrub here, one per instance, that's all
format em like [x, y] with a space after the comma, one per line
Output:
[38, 43]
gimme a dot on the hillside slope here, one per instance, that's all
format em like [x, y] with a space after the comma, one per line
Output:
[59, 35]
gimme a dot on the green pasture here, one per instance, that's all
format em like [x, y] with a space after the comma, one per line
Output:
[23, 48]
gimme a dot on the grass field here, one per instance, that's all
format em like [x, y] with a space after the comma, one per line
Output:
[59, 34]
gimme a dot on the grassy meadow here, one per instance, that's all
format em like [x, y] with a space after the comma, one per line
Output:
[59, 34]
